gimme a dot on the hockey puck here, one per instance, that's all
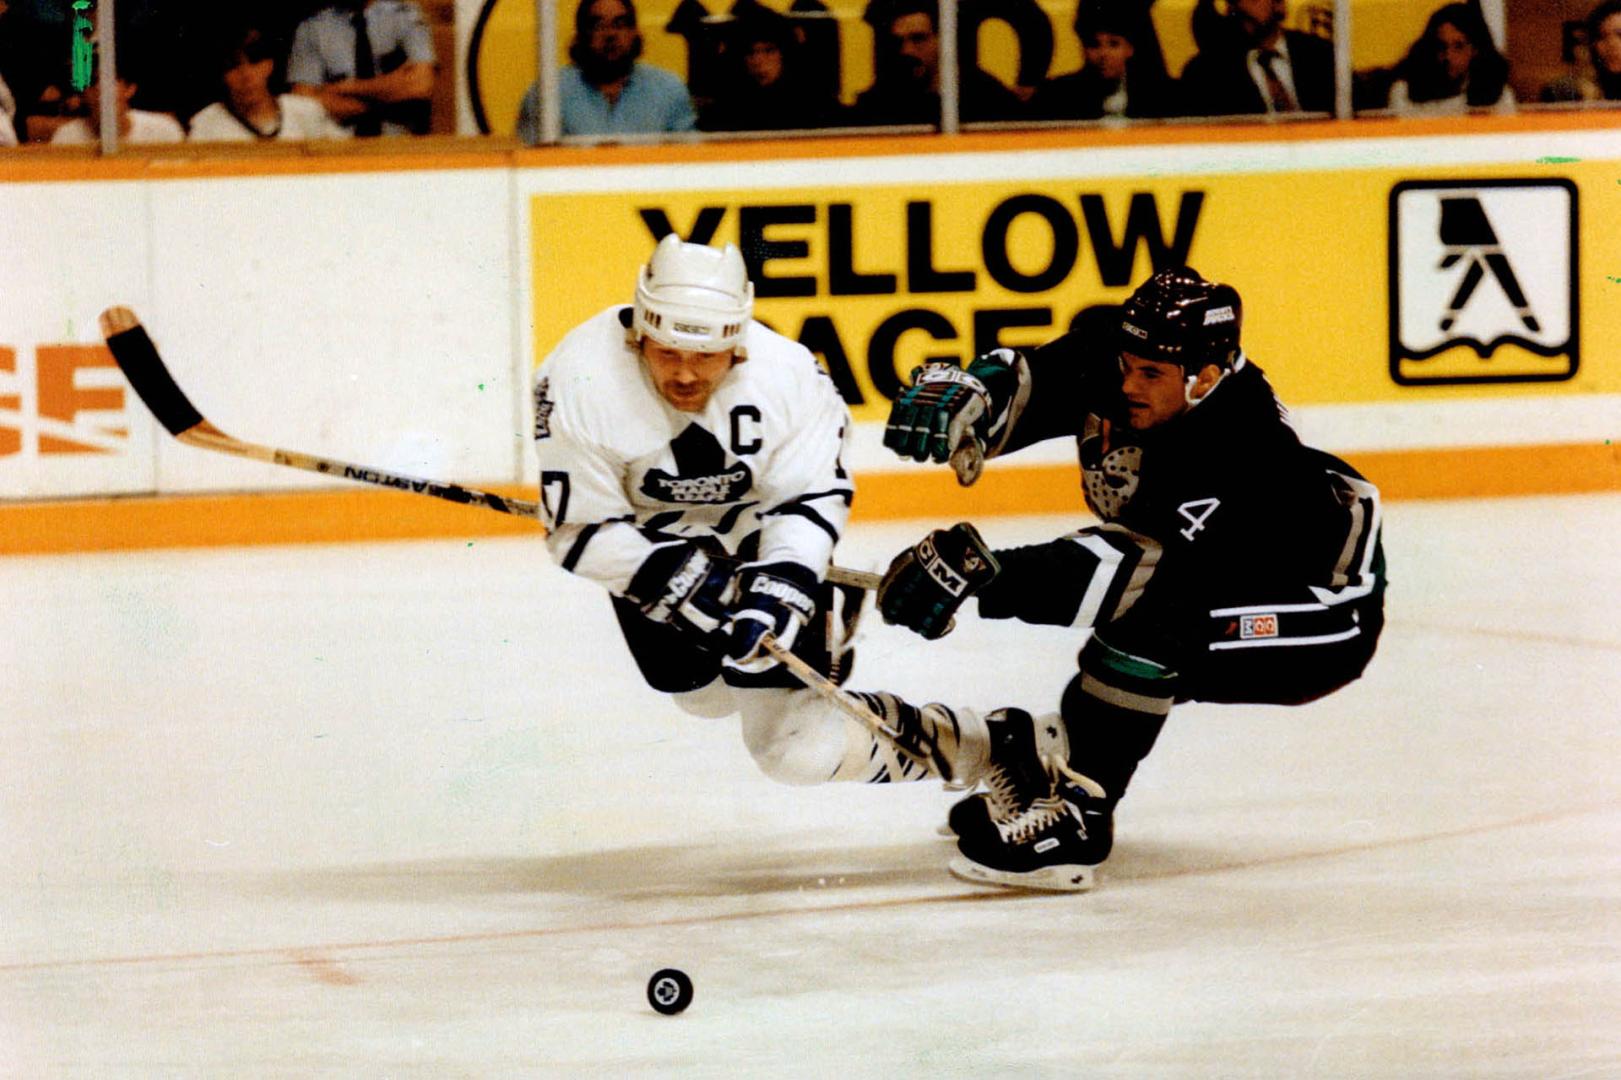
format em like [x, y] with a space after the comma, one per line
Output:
[669, 991]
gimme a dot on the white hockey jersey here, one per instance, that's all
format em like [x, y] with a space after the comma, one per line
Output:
[623, 472]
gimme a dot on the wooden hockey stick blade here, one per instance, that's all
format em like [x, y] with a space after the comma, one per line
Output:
[137, 357]
[829, 691]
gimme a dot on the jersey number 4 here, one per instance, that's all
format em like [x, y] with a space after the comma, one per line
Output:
[1197, 512]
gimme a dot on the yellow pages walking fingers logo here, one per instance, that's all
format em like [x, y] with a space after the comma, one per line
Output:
[1483, 281]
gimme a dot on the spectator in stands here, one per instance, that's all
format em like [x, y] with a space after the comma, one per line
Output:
[1603, 50]
[906, 64]
[607, 90]
[8, 115]
[1452, 68]
[1249, 64]
[135, 126]
[1115, 79]
[249, 111]
[764, 88]
[370, 63]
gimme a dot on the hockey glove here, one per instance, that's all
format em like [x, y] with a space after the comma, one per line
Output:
[961, 416]
[929, 581]
[777, 598]
[686, 587]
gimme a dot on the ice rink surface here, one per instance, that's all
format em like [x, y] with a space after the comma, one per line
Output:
[406, 810]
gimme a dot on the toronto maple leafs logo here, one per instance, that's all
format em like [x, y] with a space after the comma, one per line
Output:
[701, 472]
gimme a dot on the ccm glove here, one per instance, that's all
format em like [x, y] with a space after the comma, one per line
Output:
[686, 587]
[929, 581]
[777, 598]
[951, 414]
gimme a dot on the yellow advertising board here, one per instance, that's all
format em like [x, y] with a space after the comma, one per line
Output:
[1360, 286]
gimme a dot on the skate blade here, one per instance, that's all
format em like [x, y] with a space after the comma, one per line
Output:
[1071, 878]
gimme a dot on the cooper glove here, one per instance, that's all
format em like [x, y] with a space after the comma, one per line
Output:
[776, 598]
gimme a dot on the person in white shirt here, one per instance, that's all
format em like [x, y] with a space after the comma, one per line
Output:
[690, 464]
[1453, 68]
[249, 112]
[135, 126]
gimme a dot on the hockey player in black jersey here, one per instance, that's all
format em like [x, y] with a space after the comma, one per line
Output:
[1232, 564]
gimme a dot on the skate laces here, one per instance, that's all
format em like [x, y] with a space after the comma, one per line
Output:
[1044, 812]
[1047, 810]
[1060, 770]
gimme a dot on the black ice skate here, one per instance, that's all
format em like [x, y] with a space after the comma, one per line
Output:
[976, 813]
[966, 815]
[1048, 826]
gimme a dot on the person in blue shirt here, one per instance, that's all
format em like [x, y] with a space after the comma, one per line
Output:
[607, 91]
[370, 63]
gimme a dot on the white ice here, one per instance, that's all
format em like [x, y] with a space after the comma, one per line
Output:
[406, 810]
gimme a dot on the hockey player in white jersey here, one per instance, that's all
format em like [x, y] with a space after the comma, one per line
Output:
[690, 463]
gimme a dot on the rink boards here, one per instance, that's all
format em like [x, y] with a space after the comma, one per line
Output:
[390, 310]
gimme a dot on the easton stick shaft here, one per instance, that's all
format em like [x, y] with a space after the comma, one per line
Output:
[138, 358]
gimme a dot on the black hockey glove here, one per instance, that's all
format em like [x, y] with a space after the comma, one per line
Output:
[961, 416]
[686, 587]
[776, 598]
[929, 581]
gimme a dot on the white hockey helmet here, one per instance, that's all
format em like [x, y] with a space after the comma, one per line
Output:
[692, 296]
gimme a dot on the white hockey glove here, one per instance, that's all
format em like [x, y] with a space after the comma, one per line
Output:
[949, 414]
[688, 588]
[777, 598]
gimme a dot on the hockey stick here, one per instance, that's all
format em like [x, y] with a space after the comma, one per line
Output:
[138, 358]
[829, 691]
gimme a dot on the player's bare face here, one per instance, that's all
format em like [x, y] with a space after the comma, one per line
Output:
[685, 378]
[1153, 391]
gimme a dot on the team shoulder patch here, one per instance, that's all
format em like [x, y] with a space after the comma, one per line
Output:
[543, 409]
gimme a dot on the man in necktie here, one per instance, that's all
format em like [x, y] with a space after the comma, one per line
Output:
[369, 62]
[1278, 95]
[1249, 63]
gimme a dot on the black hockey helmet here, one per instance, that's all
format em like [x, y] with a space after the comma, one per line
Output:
[1177, 317]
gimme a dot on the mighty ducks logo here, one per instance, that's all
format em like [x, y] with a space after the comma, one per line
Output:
[1110, 473]
[701, 472]
[1483, 284]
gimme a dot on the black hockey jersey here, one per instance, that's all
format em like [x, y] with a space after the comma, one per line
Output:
[1220, 505]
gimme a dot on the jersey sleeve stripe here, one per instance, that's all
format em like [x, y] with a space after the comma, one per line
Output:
[844, 494]
[729, 519]
[577, 549]
[1106, 567]
[1124, 563]
[795, 509]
